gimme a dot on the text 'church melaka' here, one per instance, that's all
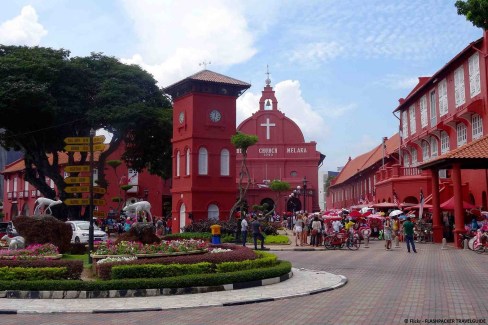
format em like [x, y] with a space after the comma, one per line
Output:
[206, 165]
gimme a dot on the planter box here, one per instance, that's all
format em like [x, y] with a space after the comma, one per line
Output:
[97, 257]
[47, 257]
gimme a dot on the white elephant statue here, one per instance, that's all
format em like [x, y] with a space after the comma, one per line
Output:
[139, 206]
[45, 203]
[17, 242]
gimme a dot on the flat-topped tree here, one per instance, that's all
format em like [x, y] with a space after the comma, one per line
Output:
[476, 11]
[46, 96]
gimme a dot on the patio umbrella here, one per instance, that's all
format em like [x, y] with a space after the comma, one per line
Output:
[395, 213]
[355, 214]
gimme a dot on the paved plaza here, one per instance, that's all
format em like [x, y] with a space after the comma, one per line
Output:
[383, 287]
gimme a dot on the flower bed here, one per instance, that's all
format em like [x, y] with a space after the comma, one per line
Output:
[139, 249]
[35, 251]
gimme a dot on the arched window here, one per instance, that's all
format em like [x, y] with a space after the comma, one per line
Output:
[224, 162]
[187, 168]
[477, 125]
[213, 212]
[202, 161]
[434, 147]
[444, 142]
[406, 160]
[425, 151]
[413, 154]
[177, 164]
[461, 134]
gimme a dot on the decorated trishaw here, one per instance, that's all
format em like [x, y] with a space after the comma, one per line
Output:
[375, 223]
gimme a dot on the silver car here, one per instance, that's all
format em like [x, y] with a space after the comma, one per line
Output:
[81, 232]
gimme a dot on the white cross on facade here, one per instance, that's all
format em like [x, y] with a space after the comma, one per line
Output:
[267, 125]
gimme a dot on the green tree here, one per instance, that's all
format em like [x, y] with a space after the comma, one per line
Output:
[46, 96]
[242, 142]
[476, 11]
[329, 179]
[278, 187]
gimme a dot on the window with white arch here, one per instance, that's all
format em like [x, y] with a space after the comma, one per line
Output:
[461, 134]
[413, 154]
[434, 147]
[445, 147]
[202, 161]
[406, 160]
[224, 162]
[187, 162]
[405, 123]
[425, 151]
[477, 125]
[213, 212]
[177, 164]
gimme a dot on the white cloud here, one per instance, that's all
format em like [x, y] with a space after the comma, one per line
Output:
[23, 29]
[313, 53]
[174, 39]
[393, 81]
[293, 105]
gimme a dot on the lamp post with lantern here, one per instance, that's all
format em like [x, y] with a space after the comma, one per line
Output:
[301, 191]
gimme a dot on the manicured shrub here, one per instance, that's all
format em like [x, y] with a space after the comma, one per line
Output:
[159, 271]
[43, 230]
[74, 268]
[188, 235]
[78, 249]
[193, 280]
[262, 262]
[30, 273]
[238, 253]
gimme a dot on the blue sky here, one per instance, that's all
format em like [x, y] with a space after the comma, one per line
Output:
[338, 67]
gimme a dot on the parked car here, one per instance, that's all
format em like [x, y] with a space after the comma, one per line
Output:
[81, 232]
[7, 228]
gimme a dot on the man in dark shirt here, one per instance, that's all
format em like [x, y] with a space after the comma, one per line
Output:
[408, 230]
[257, 233]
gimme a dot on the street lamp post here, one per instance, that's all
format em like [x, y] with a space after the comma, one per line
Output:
[305, 193]
[90, 229]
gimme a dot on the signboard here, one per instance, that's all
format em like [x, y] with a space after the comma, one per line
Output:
[84, 147]
[77, 168]
[98, 214]
[84, 140]
[96, 202]
[84, 189]
[77, 180]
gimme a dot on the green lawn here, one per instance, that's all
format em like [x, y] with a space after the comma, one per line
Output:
[83, 258]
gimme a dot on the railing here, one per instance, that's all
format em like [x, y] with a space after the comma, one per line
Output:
[410, 171]
[396, 171]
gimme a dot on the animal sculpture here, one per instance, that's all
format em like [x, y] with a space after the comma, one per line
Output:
[139, 206]
[43, 202]
[17, 242]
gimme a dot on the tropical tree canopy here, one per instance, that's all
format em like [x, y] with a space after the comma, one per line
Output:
[46, 96]
[476, 11]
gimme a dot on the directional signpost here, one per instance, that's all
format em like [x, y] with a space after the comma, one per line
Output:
[77, 180]
[77, 168]
[100, 214]
[84, 189]
[83, 147]
[97, 202]
[84, 140]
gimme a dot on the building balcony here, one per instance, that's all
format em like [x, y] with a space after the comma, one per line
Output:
[396, 171]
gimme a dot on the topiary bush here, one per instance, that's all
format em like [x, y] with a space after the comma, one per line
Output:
[30, 273]
[74, 268]
[43, 230]
[159, 271]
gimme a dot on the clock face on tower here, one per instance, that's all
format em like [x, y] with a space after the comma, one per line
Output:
[215, 115]
[181, 118]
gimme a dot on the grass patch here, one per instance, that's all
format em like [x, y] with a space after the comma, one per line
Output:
[83, 258]
[276, 239]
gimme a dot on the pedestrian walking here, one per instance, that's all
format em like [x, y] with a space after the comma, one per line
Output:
[387, 233]
[408, 230]
[244, 227]
[257, 233]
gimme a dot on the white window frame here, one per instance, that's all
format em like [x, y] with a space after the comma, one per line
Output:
[459, 92]
[224, 162]
[423, 111]
[445, 145]
[413, 155]
[434, 147]
[405, 123]
[425, 151]
[213, 212]
[477, 126]
[406, 160]
[413, 125]
[202, 161]
[474, 75]
[187, 162]
[462, 134]
[178, 162]
[433, 108]
[443, 102]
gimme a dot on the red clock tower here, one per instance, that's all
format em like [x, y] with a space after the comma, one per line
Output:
[204, 120]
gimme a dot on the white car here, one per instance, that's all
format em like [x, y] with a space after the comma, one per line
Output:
[81, 232]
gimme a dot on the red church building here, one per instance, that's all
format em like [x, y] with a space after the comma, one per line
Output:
[281, 153]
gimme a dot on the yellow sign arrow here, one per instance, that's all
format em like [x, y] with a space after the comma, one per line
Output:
[85, 189]
[77, 180]
[98, 214]
[84, 140]
[83, 147]
[77, 168]
[96, 202]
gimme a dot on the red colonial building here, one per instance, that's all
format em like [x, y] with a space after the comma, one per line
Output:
[444, 148]
[281, 153]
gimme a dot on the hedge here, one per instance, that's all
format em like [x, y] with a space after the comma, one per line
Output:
[30, 273]
[283, 267]
[159, 271]
[238, 253]
[261, 262]
[74, 267]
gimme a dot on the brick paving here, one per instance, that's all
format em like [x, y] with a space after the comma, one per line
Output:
[385, 287]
